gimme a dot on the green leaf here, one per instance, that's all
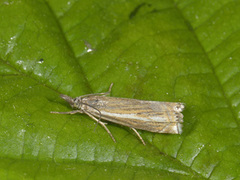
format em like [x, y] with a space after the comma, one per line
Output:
[178, 51]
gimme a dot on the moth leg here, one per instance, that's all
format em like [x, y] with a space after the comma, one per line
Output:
[100, 94]
[99, 118]
[139, 136]
[110, 88]
[108, 92]
[101, 123]
[70, 112]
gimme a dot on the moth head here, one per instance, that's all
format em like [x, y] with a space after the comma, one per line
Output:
[74, 102]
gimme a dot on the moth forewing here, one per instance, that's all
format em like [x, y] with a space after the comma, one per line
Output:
[154, 116]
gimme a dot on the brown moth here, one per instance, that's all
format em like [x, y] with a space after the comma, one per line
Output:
[153, 116]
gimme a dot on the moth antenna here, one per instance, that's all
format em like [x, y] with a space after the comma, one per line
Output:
[100, 115]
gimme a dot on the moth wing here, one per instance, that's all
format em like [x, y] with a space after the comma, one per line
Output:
[154, 116]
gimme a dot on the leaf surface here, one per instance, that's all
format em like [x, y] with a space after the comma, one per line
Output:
[178, 51]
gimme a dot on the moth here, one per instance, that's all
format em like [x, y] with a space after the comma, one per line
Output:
[153, 116]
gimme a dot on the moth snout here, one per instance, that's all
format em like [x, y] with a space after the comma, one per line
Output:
[67, 98]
